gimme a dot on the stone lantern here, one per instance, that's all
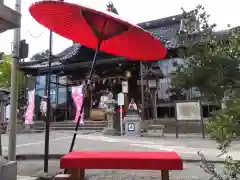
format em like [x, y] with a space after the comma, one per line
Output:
[110, 113]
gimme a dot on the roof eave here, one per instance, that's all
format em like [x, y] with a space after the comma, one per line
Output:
[161, 22]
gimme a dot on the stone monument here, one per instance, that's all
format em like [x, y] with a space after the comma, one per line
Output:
[132, 122]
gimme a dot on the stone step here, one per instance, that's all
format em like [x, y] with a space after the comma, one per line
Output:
[70, 125]
[71, 122]
[70, 128]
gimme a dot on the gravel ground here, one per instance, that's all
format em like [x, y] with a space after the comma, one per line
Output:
[190, 172]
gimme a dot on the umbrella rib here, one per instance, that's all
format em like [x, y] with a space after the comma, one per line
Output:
[121, 28]
[92, 26]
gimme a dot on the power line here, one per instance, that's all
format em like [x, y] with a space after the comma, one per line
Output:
[37, 36]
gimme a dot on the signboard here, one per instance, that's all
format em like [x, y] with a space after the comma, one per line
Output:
[188, 111]
[124, 86]
[152, 83]
[43, 106]
[131, 127]
[120, 99]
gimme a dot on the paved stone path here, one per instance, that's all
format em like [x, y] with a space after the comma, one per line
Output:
[187, 148]
[60, 142]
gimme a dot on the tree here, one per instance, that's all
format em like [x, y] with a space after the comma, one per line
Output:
[211, 64]
[211, 59]
[5, 73]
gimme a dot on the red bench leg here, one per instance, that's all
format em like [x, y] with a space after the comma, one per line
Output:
[78, 174]
[165, 174]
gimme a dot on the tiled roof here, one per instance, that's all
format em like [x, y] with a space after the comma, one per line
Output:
[68, 53]
[168, 35]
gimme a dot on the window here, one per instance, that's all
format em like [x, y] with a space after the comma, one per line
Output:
[40, 82]
[53, 80]
[62, 95]
[53, 96]
[164, 85]
[40, 92]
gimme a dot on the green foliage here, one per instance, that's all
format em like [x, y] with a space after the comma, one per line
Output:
[5, 73]
[211, 59]
[231, 169]
[212, 62]
[225, 124]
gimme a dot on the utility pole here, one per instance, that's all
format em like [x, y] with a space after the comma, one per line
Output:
[13, 100]
[48, 99]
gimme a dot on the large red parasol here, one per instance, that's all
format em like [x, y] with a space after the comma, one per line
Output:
[87, 26]
[97, 30]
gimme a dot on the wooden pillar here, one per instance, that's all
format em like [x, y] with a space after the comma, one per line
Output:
[126, 102]
[142, 91]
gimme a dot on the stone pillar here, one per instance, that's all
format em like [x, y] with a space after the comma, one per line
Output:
[110, 115]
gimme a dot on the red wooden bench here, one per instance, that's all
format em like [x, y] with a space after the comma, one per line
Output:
[77, 162]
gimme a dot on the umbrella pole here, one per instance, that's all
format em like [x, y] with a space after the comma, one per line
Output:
[85, 91]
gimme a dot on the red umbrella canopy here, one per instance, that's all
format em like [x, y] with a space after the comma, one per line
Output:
[85, 26]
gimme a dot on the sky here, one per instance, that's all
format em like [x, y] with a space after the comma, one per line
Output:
[135, 11]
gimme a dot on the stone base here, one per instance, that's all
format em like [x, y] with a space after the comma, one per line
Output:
[156, 132]
[45, 176]
[111, 132]
[8, 169]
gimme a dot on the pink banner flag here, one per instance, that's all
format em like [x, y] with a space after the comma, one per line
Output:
[78, 96]
[30, 108]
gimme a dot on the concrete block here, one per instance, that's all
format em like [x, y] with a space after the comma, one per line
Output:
[8, 169]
